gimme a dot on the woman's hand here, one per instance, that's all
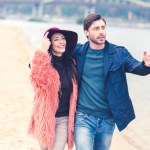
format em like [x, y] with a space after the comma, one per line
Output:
[45, 44]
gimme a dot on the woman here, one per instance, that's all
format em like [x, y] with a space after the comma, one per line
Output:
[53, 76]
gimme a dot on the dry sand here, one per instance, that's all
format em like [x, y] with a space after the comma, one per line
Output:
[16, 94]
[15, 91]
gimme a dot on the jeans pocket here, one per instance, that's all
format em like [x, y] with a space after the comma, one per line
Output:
[111, 121]
[79, 114]
[79, 118]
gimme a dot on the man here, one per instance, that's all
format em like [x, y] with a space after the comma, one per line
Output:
[103, 98]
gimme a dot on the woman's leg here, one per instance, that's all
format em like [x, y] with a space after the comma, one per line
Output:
[61, 133]
[42, 148]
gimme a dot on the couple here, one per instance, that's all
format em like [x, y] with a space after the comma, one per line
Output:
[81, 89]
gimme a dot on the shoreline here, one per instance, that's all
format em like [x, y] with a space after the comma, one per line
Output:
[17, 95]
[111, 22]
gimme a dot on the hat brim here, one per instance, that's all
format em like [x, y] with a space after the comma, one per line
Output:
[71, 37]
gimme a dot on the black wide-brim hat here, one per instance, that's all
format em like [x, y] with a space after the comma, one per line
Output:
[71, 37]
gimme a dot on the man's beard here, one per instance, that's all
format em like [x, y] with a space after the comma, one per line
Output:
[98, 42]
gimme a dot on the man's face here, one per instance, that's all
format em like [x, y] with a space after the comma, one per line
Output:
[97, 33]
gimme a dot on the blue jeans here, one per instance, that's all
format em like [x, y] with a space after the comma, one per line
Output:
[93, 133]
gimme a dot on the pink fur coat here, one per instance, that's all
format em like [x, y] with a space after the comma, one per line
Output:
[46, 83]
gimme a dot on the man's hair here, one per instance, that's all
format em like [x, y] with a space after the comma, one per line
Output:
[90, 19]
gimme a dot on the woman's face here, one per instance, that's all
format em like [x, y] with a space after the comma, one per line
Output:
[58, 42]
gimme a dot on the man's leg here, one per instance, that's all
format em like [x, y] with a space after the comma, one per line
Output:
[104, 135]
[84, 132]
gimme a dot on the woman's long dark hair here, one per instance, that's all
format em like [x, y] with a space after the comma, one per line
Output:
[69, 64]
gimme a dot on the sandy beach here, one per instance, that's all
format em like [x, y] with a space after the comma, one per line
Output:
[16, 94]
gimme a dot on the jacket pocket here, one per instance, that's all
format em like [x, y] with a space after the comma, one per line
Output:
[116, 74]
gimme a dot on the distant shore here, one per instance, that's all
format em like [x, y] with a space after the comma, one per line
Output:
[127, 23]
[115, 22]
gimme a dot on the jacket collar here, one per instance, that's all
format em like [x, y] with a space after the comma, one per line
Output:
[108, 57]
[110, 48]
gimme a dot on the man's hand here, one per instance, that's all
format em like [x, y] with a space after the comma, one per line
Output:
[45, 44]
[146, 59]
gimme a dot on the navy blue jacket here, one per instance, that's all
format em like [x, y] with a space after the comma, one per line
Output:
[117, 61]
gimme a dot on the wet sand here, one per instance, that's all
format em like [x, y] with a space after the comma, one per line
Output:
[16, 94]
